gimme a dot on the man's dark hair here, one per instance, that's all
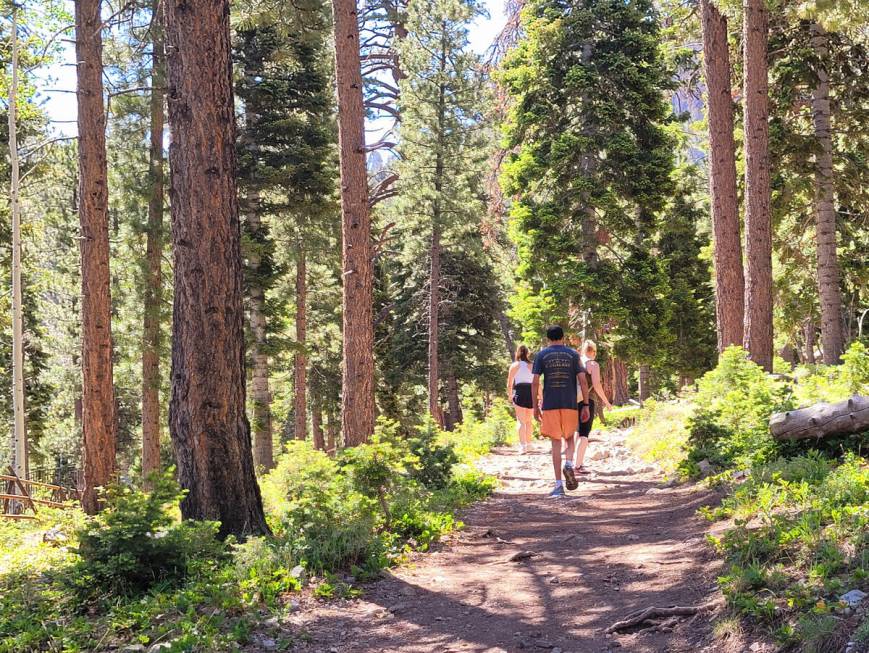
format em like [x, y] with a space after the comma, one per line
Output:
[554, 332]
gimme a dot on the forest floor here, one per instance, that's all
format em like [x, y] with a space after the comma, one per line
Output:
[622, 542]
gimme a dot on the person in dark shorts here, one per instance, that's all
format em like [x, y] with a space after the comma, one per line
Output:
[519, 381]
[592, 371]
[562, 371]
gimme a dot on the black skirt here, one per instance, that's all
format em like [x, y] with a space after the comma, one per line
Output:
[522, 395]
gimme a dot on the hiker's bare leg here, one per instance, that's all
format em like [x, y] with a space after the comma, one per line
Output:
[580, 454]
[569, 444]
[556, 457]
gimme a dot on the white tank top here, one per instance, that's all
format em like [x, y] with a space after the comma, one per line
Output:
[523, 373]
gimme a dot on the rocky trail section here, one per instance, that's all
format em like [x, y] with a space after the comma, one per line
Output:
[529, 573]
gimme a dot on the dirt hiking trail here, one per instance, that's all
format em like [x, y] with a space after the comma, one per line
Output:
[620, 543]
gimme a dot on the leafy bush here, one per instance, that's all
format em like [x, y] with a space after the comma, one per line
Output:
[660, 434]
[434, 461]
[136, 542]
[832, 383]
[314, 510]
[730, 425]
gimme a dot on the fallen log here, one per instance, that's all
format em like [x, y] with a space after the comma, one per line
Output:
[641, 616]
[822, 420]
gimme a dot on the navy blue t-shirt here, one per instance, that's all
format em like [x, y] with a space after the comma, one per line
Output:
[559, 366]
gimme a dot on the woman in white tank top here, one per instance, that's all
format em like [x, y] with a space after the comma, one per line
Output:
[519, 391]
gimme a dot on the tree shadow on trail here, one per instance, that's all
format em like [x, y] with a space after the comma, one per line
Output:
[594, 561]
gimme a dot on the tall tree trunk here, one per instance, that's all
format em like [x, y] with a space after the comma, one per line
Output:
[507, 333]
[98, 401]
[300, 360]
[433, 324]
[758, 224]
[435, 254]
[729, 278]
[317, 423]
[262, 398]
[453, 398]
[151, 332]
[357, 386]
[19, 434]
[809, 335]
[645, 382]
[332, 434]
[620, 395]
[832, 339]
[207, 420]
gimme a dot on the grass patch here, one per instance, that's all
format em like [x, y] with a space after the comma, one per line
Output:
[660, 434]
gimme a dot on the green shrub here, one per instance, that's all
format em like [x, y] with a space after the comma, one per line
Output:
[323, 523]
[660, 434]
[434, 461]
[136, 542]
[730, 425]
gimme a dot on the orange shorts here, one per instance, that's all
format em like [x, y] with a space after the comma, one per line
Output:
[560, 423]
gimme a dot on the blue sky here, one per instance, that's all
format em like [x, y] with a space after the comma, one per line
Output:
[59, 82]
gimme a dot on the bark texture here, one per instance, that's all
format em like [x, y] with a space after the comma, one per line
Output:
[758, 225]
[19, 433]
[98, 402]
[207, 420]
[821, 420]
[828, 275]
[809, 342]
[357, 387]
[433, 325]
[453, 399]
[153, 300]
[332, 430]
[619, 395]
[645, 388]
[317, 425]
[729, 278]
[300, 360]
[262, 397]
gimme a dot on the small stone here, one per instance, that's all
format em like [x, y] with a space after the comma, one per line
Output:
[132, 648]
[266, 642]
[633, 538]
[543, 644]
[656, 490]
[756, 646]
[555, 649]
[554, 580]
[54, 536]
[853, 598]
[705, 467]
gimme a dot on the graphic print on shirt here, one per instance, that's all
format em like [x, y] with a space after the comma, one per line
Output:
[558, 365]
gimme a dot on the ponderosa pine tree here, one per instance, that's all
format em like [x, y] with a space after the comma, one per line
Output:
[758, 222]
[152, 336]
[98, 399]
[442, 156]
[209, 428]
[357, 386]
[727, 253]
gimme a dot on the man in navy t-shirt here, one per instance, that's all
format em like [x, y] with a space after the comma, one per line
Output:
[561, 369]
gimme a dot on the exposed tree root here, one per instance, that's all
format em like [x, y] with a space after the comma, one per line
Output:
[646, 614]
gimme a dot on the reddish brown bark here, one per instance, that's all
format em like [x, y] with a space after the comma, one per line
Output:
[758, 224]
[357, 387]
[619, 395]
[317, 424]
[151, 331]
[209, 428]
[98, 402]
[729, 278]
[300, 360]
[434, 406]
[828, 275]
